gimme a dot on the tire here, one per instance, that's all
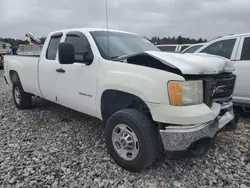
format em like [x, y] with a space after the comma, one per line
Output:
[133, 122]
[24, 101]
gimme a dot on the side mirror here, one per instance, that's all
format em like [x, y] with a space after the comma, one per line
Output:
[66, 53]
[88, 57]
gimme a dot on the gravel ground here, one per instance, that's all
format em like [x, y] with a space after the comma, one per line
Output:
[51, 146]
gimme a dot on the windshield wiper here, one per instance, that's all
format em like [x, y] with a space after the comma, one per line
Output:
[114, 57]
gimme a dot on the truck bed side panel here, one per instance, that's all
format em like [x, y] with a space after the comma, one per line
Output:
[26, 67]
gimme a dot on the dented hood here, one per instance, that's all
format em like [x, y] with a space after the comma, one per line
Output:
[194, 63]
[190, 63]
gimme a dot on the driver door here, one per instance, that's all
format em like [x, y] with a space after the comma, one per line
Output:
[76, 83]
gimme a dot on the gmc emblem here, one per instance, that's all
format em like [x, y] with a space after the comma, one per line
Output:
[218, 89]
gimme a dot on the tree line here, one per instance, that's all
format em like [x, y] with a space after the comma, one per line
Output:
[176, 40]
[17, 42]
[155, 40]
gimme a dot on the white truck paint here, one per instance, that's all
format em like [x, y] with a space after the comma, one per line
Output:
[236, 48]
[141, 92]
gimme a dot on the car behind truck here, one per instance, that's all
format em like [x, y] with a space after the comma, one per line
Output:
[150, 101]
[5, 48]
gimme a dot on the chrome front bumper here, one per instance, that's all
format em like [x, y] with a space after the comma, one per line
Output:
[180, 138]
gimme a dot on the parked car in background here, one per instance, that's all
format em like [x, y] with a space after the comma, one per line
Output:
[150, 101]
[172, 47]
[193, 48]
[237, 49]
[4, 49]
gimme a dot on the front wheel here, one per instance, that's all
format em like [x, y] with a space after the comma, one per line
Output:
[22, 99]
[132, 139]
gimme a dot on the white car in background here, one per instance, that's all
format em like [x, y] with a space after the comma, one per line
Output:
[4, 49]
[237, 49]
[193, 48]
[172, 47]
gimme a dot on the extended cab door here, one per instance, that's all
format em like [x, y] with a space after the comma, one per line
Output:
[76, 83]
[47, 67]
[242, 67]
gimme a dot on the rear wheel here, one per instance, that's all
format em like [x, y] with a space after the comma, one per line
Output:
[22, 99]
[132, 139]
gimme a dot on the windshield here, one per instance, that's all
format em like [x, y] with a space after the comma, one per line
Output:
[192, 49]
[184, 47]
[120, 44]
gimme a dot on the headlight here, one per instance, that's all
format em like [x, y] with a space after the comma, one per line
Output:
[185, 92]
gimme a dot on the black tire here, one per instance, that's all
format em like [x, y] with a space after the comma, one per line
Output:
[25, 98]
[147, 135]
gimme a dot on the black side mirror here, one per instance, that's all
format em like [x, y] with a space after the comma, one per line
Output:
[66, 53]
[88, 57]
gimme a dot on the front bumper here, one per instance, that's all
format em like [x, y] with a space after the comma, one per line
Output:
[181, 138]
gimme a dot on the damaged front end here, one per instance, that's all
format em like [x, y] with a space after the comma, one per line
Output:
[196, 139]
[218, 85]
[181, 64]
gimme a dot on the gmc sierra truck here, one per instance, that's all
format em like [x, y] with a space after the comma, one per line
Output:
[150, 101]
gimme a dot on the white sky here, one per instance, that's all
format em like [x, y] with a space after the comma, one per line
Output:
[190, 18]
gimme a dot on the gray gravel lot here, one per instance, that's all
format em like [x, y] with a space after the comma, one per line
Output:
[51, 146]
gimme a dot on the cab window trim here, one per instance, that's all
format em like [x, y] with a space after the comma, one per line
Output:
[81, 37]
[53, 36]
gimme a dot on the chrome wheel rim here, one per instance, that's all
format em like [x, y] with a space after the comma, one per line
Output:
[125, 142]
[17, 95]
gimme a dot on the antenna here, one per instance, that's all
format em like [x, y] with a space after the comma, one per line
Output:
[107, 22]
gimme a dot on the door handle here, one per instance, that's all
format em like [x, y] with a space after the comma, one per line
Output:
[61, 70]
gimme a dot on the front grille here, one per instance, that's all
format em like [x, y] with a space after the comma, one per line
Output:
[225, 87]
[217, 88]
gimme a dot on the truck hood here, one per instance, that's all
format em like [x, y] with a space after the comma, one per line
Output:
[189, 63]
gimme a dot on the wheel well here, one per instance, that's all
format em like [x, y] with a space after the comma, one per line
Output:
[13, 76]
[114, 100]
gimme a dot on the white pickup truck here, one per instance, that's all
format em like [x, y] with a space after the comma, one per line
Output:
[151, 101]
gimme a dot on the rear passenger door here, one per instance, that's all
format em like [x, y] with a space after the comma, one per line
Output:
[47, 66]
[242, 71]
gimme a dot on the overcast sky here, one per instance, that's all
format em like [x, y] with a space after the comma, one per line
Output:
[192, 18]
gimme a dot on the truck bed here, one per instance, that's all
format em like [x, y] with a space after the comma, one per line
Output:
[27, 68]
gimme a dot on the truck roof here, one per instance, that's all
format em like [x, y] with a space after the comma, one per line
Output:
[234, 35]
[90, 29]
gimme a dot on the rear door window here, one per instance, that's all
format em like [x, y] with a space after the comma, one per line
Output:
[245, 54]
[222, 48]
[52, 48]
